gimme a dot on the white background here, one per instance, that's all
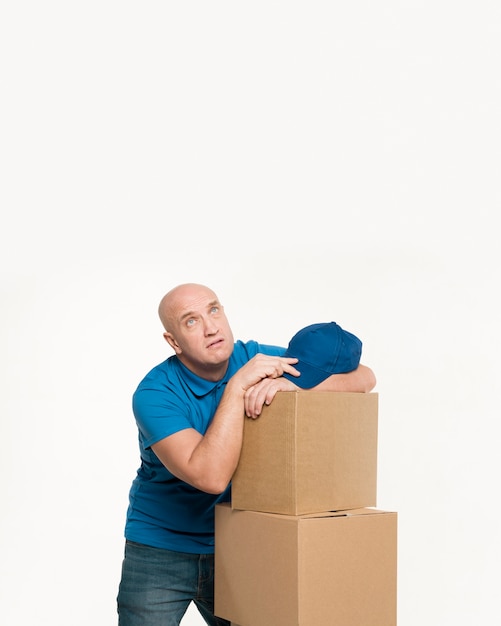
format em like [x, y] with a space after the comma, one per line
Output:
[310, 161]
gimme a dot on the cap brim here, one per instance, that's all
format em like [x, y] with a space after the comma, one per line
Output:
[310, 376]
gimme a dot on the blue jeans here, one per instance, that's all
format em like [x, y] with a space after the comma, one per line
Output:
[158, 585]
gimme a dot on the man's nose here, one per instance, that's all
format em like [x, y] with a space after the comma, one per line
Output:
[210, 326]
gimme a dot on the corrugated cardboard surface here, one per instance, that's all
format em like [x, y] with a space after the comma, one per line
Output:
[330, 569]
[308, 452]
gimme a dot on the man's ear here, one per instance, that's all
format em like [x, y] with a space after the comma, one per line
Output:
[172, 342]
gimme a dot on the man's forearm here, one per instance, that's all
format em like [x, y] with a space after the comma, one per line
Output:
[361, 380]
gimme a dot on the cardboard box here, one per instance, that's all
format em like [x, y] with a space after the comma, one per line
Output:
[328, 569]
[309, 451]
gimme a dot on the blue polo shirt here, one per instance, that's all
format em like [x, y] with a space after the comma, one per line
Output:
[166, 512]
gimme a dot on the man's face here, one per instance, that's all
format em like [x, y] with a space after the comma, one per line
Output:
[201, 335]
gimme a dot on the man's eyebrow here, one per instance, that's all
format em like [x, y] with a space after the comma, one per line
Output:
[185, 315]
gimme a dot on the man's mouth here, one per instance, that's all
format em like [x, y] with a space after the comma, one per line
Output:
[215, 343]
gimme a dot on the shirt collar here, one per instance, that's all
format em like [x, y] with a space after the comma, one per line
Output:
[200, 386]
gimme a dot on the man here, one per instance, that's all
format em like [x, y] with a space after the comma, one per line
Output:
[190, 412]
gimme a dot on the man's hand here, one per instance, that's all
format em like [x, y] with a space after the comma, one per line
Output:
[263, 393]
[262, 367]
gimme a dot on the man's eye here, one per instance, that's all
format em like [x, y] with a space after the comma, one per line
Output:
[214, 309]
[190, 322]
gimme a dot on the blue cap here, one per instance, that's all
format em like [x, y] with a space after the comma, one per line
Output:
[322, 350]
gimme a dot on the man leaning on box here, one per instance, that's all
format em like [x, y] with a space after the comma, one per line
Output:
[190, 412]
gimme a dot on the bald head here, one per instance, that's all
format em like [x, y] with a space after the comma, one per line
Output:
[179, 298]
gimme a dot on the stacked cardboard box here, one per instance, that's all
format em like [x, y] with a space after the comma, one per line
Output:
[301, 544]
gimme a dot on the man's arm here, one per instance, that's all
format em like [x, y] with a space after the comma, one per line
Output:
[208, 461]
[361, 380]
